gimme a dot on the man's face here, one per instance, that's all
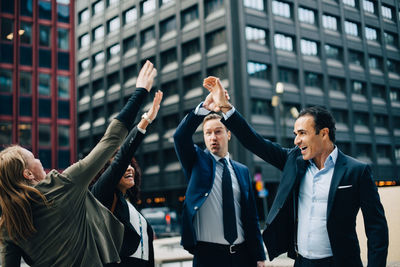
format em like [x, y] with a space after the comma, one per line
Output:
[34, 169]
[216, 137]
[312, 145]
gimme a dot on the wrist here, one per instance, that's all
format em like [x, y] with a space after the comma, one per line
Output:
[146, 117]
[225, 107]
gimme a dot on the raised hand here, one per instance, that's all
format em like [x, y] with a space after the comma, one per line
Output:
[153, 111]
[146, 76]
[218, 99]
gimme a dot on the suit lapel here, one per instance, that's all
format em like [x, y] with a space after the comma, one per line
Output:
[338, 173]
[240, 178]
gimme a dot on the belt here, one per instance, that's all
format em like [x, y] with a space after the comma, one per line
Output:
[229, 249]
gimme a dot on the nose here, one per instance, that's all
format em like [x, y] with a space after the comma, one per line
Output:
[296, 141]
[130, 168]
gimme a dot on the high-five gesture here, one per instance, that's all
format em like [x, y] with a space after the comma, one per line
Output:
[146, 76]
[149, 116]
[218, 99]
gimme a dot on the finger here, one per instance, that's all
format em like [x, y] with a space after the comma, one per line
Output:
[143, 69]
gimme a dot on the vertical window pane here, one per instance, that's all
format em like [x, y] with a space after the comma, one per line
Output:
[44, 84]
[63, 38]
[256, 4]
[45, 157]
[44, 107]
[98, 7]
[44, 135]
[25, 57]
[45, 58]
[281, 9]
[113, 25]
[25, 32]
[5, 133]
[63, 60]
[63, 86]
[147, 6]
[5, 81]
[24, 134]
[63, 13]
[44, 35]
[130, 15]
[44, 9]
[306, 15]
[7, 29]
[25, 82]
[256, 35]
[25, 106]
[212, 6]
[63, 159]
[329, 22]
[7, 7]
[6, 107]
[63, 109]
[6, 53]
[257, 70]
[189, 15]
[83, 16]
[63, 135]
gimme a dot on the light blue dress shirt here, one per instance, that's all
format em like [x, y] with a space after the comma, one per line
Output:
[312, 235]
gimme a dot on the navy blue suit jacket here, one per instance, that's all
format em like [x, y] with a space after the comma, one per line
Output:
[199, 168]
[352, 188]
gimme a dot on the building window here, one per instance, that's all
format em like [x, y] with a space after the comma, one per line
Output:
[63, 11]
[329, 22]
[129, 73]
[312, 79]
[341, 116]
[147, 6]
[395, 94]
[308, 48]
[351, 3]
[129, 43]
[63, 86]
[359, 88]
[113, 25]
[7, 7]
[387, 12]
[283, 42]
[83, 16]
[5, 81]
[281, 9]
[220, 71]
[381, 121]
[369, 6]
[84, 40]
[168, 57]
[258, 70]
[25, 83]
[383, 154]
[256, 4]
[167, 25]
[306, 15]
[130, 15]
[393, 66]
[63, 39]
[212, 6]
[351, 28]
[375, 62]
[5, 133]
[378, 91]
[189, 15]
[370, 34]
[336, 84]
[390, 39]
[84, 65]
[287, 75]
[98, 33]
[164, 2]
[261, 107]
[361, 118]
[44, 35]
[25, 32]
[44, 9]
[256, 35]
[356, 58]
[112, 2]
[191, 81]
[25, 134]
[147, 35]
[44, 84]
[26, 8]
[113, 52]
[97, 7]
[215, 38]
[98, 59]
[190, 48]
[333, 52]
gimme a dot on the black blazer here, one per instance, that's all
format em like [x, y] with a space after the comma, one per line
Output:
[352, 188]
[199, 168]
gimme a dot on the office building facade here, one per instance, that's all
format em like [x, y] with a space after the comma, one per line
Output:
[37, 79]
[274, 57]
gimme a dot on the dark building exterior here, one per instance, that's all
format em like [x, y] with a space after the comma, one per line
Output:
[274, 57]
[37, 79]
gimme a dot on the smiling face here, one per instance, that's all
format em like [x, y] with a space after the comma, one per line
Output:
[128, 179]
[216, 137]
[312, 145]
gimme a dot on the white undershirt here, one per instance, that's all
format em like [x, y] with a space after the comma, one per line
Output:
[137, 221]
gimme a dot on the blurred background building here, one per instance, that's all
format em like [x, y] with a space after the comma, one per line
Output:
[37, 79]
[274, 57]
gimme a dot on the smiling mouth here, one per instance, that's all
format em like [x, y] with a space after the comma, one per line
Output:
[303, 148]
[128, 176]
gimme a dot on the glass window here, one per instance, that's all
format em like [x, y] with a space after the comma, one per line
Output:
[63, 109]
[63, 86]
[98, 58]
[169, 88]
[256, 4]
[130, 15]
[190, 48]
[281, 9]
[6, 81]
[129, 43]
[6, 107]
[212, 6]
[369, 6]
[313, 79]
[395, 94]
[336, 84]
[44, 135]
[383, 152]
[63, 135]
[147, 6]
[7, 29]
[63, 38]
[113, 25]
[261, 107]
[381, 121]
[25, 82]
[147, 35]
[215, 38]
[44, 107]
[329, 22]
[378, 91]
[167, 25]
[283, 42]
[112, 2]
[83, 65]
[26, 8]
[25, 56]
[113, 51]
[258, 70]
[5, 132]
[192, 81]
[375, 62]
[44, 35]
[25, 32]
[44, 84]
[63, 13]
[84, 40]
[387, 12]
[351, 28]
[168, 57]
[83, 16]
[306, 15]
[189, 15]
[308, 48]
[63, 159]
[44, 9]
[358, 88]
[7, 7]
[356, 58]
[45, 157]
[256, 35]
[98, 33]
[287, 75]
[333, 52]
[45, 58]
[129, 72]
[97, 7]
[220, 71]
[63, 60]
[390, 38]
[361, 118]
[370, 34]
[351, 3]
[25, 106]
[393, 66]
[24, 134]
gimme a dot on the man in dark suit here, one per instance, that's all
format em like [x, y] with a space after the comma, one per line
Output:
[313, 217]
[220, 223]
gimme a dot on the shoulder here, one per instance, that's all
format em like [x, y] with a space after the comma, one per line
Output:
[239, 165]
[351, 162]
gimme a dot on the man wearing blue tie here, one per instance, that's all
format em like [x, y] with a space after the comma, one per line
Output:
[220, 223]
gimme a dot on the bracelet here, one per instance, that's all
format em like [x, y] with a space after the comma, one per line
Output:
[146, 117]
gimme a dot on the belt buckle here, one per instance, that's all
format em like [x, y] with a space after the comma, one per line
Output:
[231, 251]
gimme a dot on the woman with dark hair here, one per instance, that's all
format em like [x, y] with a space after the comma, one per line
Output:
[118, 189]
[52, 219]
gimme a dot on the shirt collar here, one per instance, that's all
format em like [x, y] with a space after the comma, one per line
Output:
[217, 158]
[331, 159]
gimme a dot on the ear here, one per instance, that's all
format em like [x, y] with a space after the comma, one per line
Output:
[229, 135]
[28, 174]
[325, 132]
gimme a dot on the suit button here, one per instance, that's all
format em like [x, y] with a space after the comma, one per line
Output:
[206, 194]
[196, 208]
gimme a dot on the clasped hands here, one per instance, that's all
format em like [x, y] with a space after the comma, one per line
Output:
[218, 98]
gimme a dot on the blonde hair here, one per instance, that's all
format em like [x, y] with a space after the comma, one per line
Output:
[16, 195]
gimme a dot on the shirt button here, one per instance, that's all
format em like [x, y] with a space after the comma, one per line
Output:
[206, 194]
[196, 208]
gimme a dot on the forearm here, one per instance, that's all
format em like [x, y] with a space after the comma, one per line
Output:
[130, 110]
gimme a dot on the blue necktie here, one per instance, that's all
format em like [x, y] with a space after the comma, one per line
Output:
[228, 207]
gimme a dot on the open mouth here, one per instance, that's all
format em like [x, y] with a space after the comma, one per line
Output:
[128, 176]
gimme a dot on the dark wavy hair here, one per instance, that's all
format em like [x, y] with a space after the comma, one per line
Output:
[322, 118]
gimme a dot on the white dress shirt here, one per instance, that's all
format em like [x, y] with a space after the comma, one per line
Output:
[140, 224]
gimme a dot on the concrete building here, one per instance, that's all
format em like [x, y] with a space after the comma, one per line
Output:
[275, 57]
[37, 79]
